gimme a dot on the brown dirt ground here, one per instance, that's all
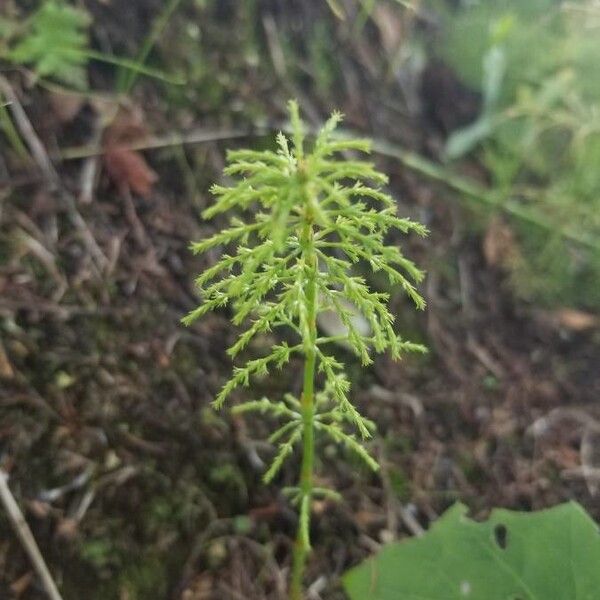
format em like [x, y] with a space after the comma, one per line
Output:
[133, 485]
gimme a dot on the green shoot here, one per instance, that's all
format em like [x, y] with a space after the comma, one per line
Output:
[302, 221]
[53, 40]
[127, 77]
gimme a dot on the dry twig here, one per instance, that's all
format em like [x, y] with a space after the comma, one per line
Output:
[45, 164]
[26, 537]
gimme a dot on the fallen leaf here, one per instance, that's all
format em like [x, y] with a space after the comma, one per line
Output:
[129, 171]
[575, 320]
[127, 168]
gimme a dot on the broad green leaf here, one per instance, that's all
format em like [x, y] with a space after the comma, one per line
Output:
[552, 554]
[53, 43]
[463, 140]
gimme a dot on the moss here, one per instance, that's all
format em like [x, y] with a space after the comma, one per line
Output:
[145, 579]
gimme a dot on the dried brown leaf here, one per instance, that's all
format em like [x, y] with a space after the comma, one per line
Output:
[129, 171]
[127, 168]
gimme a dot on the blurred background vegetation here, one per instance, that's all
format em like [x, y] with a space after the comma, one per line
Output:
[115, 117]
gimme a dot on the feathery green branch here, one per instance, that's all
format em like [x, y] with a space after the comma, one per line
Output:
[303, 221]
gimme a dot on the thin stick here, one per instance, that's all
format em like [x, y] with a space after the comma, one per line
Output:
[45, 164]
[27, 132]
[466, 187]
[26, 537]
[195, 136]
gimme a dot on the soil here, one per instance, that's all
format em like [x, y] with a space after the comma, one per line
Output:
[133, 485]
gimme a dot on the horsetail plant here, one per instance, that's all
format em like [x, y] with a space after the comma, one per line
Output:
[312, 217]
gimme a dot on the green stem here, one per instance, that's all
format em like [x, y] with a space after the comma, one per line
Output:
[127, 77]
[301, 545]
[473, 191]
[10, 131]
